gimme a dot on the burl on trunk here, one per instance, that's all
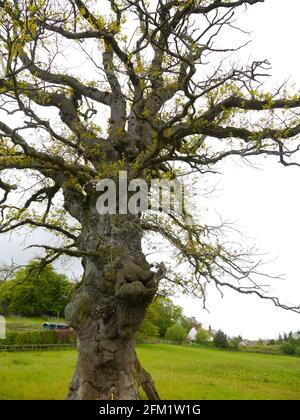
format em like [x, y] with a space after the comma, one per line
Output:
[107, 309]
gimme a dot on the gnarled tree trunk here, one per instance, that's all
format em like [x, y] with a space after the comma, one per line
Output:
[107, 309]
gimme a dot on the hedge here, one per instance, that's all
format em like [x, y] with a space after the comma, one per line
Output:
[39, 337]
[274, 349]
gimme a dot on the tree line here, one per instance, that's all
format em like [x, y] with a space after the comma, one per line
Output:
[34, 291]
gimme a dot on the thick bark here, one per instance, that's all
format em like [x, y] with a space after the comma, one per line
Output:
[145, 381]
[107, 309]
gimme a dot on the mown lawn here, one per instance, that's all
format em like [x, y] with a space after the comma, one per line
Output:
[180, 372]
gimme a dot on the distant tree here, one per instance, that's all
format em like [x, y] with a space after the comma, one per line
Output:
[168, 314]
[280, 339]
[176, 333]
[185, 323]
[220, 340]
[149, 326]
[4, 297]
[35, 291]
[161, 314]
[5, 272]
[202, 336]
[235, 342]
[148, 329]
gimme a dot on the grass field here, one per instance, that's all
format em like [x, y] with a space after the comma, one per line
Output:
[28, 324]
[180, 372]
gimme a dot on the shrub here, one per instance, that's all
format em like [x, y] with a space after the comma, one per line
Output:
[66, 337]
[288, 348]
[176, 333]
[263, 349]
[297, 350]
[220, 340]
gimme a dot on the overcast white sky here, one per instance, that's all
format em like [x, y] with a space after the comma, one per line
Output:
[264, 202]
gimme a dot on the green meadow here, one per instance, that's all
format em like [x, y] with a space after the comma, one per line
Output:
[180, 372]
[28, 324]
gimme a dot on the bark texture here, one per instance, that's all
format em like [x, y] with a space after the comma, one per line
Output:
[108, 307]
